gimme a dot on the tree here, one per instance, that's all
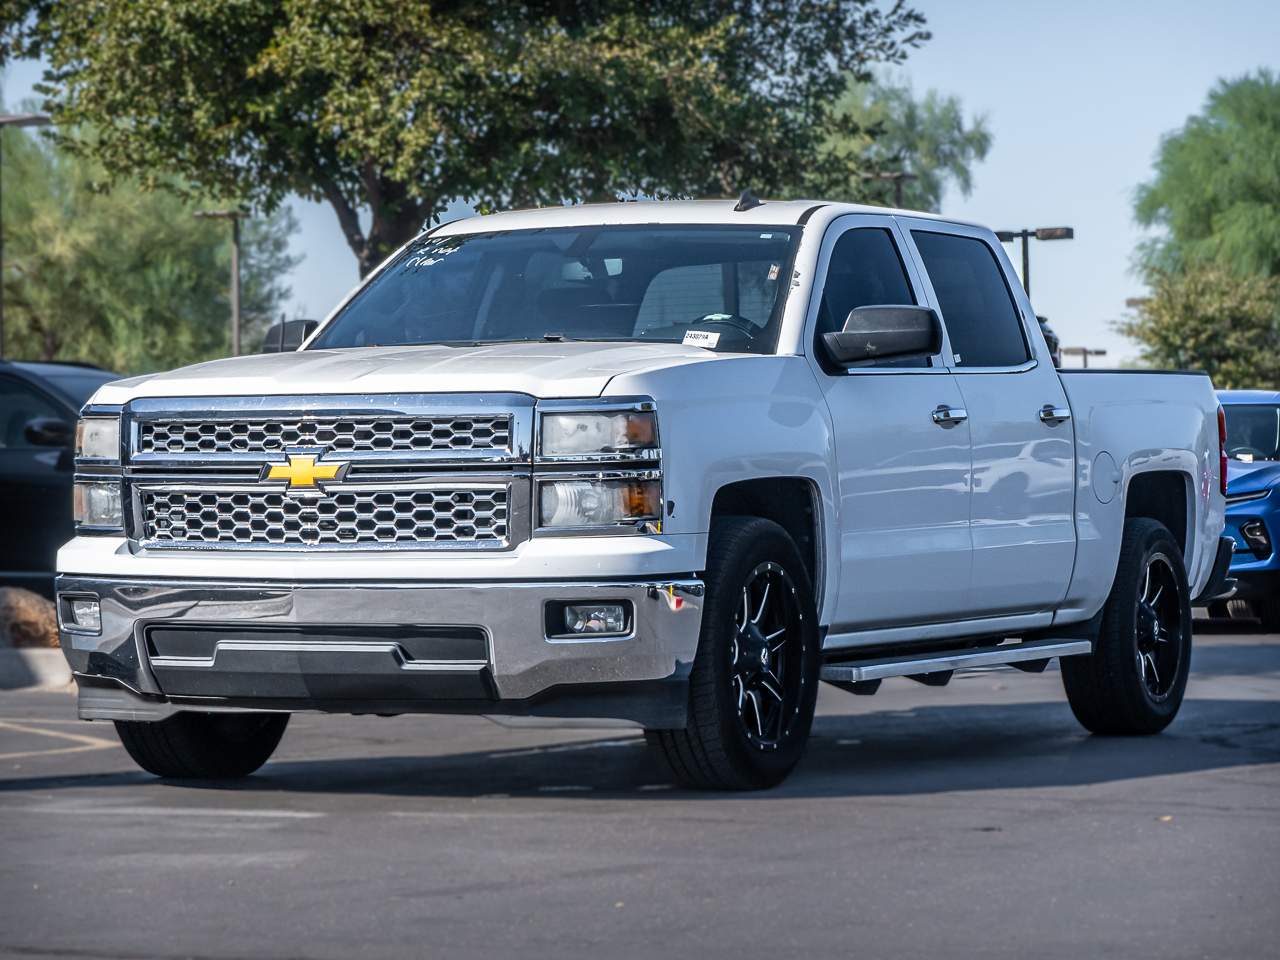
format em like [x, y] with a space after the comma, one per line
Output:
[1216, 191]
[399, 107]
[126, 278]
[889, 131]
[1208, 317]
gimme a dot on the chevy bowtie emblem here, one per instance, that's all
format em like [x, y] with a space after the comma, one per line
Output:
[302, 471]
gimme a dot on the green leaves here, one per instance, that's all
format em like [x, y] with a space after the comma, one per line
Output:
[399, 107]
[1215, 269]
[1211, 318]
[887, 130]
[1216, 191]
[124, 277]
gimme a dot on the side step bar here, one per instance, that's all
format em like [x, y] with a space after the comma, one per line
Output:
[860, 671]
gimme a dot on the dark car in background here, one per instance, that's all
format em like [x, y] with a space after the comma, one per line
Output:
[1253, 499]
[39, 405]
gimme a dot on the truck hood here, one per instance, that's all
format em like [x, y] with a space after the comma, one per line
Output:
[1251, 477]
[547, 370]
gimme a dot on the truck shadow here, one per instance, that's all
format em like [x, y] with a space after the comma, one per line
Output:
[922, 750]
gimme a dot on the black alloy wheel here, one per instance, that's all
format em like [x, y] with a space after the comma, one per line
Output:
[767, 656]
[753, 685]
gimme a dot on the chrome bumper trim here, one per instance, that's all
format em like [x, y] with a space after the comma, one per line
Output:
[523, 663]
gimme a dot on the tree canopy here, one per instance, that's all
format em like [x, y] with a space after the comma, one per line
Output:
[1214, 267]
[125, 278]
[1211, 318]
[400, 107]
[892, 131]
[1216, 190]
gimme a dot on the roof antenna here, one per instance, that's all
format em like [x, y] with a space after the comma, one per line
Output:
[747, 201]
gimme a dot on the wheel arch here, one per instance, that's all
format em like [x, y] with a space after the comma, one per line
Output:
[792, 502]
[1167, 497]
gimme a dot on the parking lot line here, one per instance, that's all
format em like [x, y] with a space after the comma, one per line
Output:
[82, 741]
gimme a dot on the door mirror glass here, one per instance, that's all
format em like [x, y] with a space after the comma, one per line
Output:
[875, 334]
[48, 432]
[287, 335]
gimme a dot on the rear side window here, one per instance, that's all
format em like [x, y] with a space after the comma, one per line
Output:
[865, 270]
[977, 308]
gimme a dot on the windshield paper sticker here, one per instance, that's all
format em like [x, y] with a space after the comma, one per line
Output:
[701, 338]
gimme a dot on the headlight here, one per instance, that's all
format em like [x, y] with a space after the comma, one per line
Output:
[599, 503]
[600, 435]
[98, 438]
[97, 503]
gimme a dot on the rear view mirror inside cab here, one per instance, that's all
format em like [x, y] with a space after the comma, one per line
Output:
[874, 334]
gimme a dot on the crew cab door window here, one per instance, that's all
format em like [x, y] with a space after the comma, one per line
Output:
[865, 270]
[974, 300]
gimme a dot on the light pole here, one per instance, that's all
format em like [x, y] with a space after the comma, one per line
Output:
[1084, 353]
[234, 217]
[1025, 235]
[12, 120]
[897, 178]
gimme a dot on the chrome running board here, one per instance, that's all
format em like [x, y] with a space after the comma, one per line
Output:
[860, 671]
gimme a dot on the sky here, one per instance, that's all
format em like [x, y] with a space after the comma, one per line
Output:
[1077, 96]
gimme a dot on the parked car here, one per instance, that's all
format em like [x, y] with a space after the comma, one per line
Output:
[39, 404]
[670, 463]
[1253, 499]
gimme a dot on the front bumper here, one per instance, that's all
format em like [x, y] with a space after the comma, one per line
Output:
[477, 647]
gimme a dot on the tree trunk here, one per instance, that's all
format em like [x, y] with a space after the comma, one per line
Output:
[396, 219]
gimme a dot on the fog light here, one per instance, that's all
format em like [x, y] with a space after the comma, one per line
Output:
[1255, 535]
[81, 615]
[595, 618]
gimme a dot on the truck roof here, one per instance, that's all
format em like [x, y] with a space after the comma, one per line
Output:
[769, 212]
[1248, 396]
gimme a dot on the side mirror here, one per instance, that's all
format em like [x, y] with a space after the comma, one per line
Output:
[872, 334]
[287, 335]
[48, 432]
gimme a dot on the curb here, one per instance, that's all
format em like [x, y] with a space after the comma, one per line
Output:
[33, 668]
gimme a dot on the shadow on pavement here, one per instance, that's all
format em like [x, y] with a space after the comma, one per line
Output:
[917, 751]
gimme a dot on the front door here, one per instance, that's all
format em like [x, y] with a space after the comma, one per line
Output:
[902, 450]
[1023, 441]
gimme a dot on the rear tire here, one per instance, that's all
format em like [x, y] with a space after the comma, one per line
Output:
[754, 681]
[203, 746]
[1134, 680]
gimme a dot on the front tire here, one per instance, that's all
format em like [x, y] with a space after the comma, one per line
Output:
[754, 681]
[203, 746]
[1134, 680]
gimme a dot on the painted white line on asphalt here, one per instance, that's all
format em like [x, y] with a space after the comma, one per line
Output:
[66, 721]
[82, 741]
[142, 810]
[567, 748]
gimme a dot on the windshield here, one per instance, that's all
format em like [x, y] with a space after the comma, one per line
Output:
[1253, 432]
[718, 286]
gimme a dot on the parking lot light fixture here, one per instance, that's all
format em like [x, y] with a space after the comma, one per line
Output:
[234, 216]
[1026, 234]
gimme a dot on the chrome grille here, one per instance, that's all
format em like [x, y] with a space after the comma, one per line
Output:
[405, 516]
[338, 435]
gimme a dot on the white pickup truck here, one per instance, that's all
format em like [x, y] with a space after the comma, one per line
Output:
[673, 463]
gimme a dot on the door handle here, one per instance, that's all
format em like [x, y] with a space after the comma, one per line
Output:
[945, 416]
[1053, 416]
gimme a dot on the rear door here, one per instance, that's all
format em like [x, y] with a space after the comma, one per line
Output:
[1023, 440]
[903, 467]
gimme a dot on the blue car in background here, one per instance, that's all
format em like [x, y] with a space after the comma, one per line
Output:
[1253, 499]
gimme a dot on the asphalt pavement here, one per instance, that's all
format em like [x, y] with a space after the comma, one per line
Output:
[978, 820]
